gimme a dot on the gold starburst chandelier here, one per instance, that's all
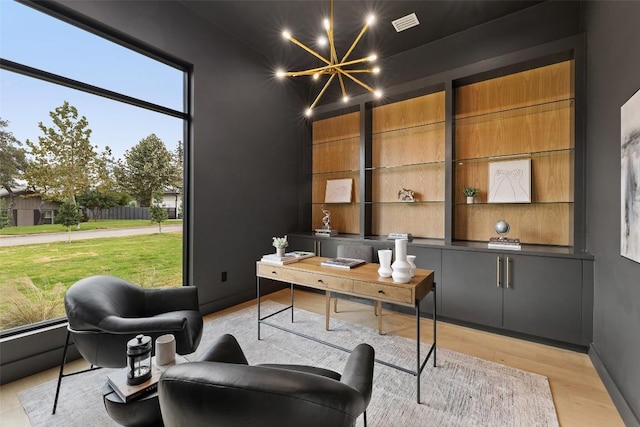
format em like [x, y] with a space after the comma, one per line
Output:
[334, 67]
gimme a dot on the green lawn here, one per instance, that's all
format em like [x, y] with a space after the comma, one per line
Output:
[91, 225]
[33, 278]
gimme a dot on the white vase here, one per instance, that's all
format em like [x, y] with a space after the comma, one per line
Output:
[280, 252]
[470, 200]
[401, 268]
[384, 257]
[411, 260]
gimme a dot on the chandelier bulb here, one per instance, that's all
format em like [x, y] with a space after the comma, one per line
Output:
[286, 34]
[280, 73]
[376, 70]
[327, 24]
[322, 41]
[316, 76]
[345, 98]
[372, 57]
[378, 93]
[308, 112]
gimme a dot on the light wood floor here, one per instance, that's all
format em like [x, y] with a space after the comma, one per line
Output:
[579, 395]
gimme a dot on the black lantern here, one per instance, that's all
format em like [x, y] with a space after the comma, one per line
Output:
[139, 359]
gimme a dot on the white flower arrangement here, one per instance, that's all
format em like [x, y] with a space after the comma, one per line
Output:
[280, 242]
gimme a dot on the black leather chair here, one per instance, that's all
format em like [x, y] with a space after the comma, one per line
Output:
[223, 390]
[105, 312]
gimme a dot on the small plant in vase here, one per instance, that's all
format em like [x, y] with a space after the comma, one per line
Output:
[280, 243]
[471, 193]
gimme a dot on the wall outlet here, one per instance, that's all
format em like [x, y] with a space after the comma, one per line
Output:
[224, 276]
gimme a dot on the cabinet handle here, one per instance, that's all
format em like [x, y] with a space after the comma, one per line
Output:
[274, 272]
[498, 271]
[508, 275]
[381, 291]
[320, 281]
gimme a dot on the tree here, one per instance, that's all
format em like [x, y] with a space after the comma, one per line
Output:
[13, 160]
[69, 214]
[64, 162]
[5, 215]
[148, 167]
[157, 211]
[97, 200]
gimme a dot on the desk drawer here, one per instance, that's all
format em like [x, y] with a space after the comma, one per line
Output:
[383, 292]
[277, 272]
[333, 283]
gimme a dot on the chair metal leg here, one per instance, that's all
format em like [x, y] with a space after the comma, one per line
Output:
[364, 415]
[60, 375]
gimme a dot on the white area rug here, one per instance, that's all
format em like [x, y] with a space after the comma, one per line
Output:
[461, 391]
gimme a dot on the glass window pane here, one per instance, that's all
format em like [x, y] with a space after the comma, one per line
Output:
[32, 38]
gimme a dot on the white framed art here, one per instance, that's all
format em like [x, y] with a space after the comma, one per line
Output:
[338, 191]
[510, 181]
[630, 178]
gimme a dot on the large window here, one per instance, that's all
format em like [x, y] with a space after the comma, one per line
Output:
[88, 123]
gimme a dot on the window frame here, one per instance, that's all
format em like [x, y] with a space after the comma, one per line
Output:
[98, 29]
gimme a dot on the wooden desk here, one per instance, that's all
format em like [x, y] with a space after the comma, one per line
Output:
[362, 281]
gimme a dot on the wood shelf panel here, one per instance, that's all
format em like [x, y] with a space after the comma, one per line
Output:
[319, 185]
[337, 156]
[426, 181]
[548, 223]
[338, 127]
[409, 113]
[344, 217]
[551, 178]
[422, 144]
[536, 86]
[424, 220]
[544, 130]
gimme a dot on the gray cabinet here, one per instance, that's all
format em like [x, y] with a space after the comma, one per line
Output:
[535, 295]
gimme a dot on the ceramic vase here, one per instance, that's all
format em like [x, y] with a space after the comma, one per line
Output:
[401, 268]
[384, 256]
[411, 260]
[470, 200]
[280, 252]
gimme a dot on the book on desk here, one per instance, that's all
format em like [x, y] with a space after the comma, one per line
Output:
[345, 263]
[288, 257]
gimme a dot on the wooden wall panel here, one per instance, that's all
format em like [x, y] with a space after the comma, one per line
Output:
[342, 155]
[551, 178]
[545, 223]
[426, 181]
[527, 130]
[409, 113]
[539, 85]
[422, 144]
[334, 128]
[420, 219]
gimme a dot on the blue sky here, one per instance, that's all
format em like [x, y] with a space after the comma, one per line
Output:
[40, 41]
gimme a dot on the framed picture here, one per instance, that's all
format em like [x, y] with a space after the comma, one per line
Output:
[338, 191]
[630, 178]
[510, 181]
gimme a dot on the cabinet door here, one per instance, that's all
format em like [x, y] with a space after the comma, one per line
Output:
[543, 297]
[470, 290]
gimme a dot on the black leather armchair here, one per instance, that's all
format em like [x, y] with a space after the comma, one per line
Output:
[105, 312]
[223, 390]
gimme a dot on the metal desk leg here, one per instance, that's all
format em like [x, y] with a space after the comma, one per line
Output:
[258, 297]
[418, 352]
[327, 309]
[291, 284]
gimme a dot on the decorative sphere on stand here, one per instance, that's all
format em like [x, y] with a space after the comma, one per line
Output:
[502, 227]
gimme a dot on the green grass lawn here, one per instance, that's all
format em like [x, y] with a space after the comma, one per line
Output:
[90, 225]
[33, 278]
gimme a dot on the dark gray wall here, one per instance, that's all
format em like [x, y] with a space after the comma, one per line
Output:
[613, 75]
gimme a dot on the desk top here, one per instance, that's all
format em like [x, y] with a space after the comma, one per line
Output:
[307, 271]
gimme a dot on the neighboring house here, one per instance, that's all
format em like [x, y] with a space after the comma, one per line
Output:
[172, 201]
[26, 207]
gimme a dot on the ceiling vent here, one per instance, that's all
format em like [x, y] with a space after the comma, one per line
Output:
[405, 22]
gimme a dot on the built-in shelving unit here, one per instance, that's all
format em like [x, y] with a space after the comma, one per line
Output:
[408, 151]
[336, 155]
[525, 115]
